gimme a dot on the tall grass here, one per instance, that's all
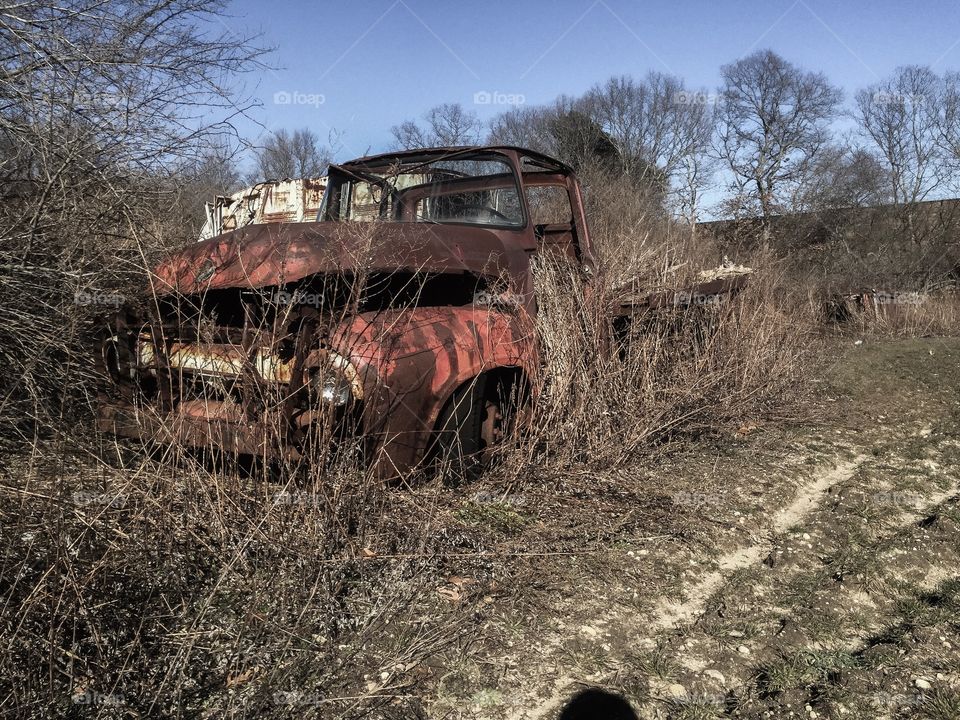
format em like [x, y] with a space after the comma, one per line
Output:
[609, 391]
[175, 587]
[907, 314]
[170, 584]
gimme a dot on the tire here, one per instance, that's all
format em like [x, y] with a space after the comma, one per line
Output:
[474, 424]
[459, 446]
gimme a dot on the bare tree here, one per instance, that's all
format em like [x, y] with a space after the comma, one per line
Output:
[950, 122]
[100, 102]
[772, 125]
[655, 123]
[582, 143]
[444, 125]
[290, 155]
[691, 180]
[844, 177]
[653, 133]
[216, 171]
[902, 118]
[526, 126]
[450, 124]
[569, 130]
[564, 129]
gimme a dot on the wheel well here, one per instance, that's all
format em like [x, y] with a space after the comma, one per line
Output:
[511, 377]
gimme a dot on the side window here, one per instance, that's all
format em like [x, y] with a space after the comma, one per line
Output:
[549, 205]
[365, 202]
[552, 217]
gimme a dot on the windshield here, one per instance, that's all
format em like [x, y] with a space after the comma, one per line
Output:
[471, 189]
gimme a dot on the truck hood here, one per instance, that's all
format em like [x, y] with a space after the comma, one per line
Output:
[259, 256]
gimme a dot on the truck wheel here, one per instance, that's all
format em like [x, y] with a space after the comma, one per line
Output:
[459, 440]
[477, 419]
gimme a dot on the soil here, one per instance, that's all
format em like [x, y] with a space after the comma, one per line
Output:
[806, 571]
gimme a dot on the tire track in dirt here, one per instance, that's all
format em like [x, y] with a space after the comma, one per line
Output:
[669, 614]
[808, 497]
[898, 562]
[895, 543]
[763, 601]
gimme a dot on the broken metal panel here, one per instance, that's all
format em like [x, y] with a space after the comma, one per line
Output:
[273, 201]
[716, 286]
[285, 201]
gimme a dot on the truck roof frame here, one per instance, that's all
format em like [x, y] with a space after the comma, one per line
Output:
[452, 152]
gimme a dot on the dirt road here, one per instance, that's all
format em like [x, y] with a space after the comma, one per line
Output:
[803, 572]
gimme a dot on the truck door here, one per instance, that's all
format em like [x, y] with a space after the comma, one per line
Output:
[552, 216]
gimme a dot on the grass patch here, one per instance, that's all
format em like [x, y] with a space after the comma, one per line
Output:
[492, 516]
[804, 668]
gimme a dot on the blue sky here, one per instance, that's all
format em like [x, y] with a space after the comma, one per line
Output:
[359, 67]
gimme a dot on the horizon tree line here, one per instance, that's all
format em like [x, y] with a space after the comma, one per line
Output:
[766, 138]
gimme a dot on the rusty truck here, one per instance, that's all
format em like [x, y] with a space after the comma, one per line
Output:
[398, 322]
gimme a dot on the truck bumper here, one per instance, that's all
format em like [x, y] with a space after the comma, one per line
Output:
[214, 429]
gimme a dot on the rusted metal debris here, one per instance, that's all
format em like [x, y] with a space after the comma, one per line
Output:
[843, 307]
[272, 201]
[266, 337]
[713, 287]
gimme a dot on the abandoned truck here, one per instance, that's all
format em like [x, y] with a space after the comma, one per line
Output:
[399, 323]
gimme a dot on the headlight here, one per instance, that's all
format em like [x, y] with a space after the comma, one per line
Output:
[332, 388]
[338, 382]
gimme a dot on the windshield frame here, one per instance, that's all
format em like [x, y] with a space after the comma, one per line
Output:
[376, 171]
